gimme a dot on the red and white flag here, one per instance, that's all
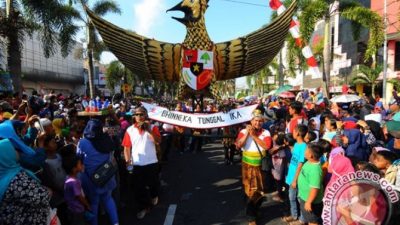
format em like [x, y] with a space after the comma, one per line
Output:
[197, 68]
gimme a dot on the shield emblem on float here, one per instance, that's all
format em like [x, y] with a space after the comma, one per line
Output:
[197, 68]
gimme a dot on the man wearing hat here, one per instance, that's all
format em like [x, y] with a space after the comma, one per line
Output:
[269, 119]
[254, 141]
[140, 150]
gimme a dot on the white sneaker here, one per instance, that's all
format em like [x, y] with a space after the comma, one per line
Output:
[140, 215]
[154, 201]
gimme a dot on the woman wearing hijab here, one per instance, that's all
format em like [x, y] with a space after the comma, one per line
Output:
[96, 148]
[22, 199]
[339, 165]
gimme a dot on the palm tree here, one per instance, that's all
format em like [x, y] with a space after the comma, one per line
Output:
[53, 22]
[95, 47]
[256, 82]
[368, 75]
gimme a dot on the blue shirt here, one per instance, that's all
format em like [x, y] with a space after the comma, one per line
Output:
[298, 154]
[92, 159]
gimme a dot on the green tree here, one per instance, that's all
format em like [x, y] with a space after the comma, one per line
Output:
[395, 82]
[256, 82]
[51, 19]
[226, 88]
[162, 87]
[94, 46]
[367, 75]
[116, 72]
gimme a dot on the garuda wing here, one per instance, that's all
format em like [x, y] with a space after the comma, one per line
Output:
[249, 54]
[145, 57]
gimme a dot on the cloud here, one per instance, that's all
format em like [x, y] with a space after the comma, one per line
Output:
[147, 15]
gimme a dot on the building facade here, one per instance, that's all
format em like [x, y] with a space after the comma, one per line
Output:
[393, 34]
[63, 75]
[346, 53]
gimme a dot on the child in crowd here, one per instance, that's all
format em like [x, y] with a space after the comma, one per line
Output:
[310, 186]
[73, 193]
[314, 126]
[53, 173]
[289, 141]
[366, 166]
[310, 137]
[279, 162]
[53, 177]
[326, 150]
[384, 161]
[296, 163]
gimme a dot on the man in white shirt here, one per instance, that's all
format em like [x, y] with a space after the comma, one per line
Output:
[254, 142]
[139, 144]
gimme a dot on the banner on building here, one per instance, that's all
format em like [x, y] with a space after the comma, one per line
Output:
[199, 121]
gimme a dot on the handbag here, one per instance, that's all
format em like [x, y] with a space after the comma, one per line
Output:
[266, 161]
[105, 172]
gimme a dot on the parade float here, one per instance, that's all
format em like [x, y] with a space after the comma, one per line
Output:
[197, 63]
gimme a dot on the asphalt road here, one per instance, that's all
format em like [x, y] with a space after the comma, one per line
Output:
[199, 189]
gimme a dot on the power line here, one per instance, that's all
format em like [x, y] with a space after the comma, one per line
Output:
[247, 3]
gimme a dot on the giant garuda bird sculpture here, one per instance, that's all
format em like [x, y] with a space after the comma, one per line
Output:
[197, 62]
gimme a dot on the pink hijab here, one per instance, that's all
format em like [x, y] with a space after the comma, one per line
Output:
[339, 165]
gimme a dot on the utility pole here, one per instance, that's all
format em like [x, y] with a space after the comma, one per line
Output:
[385, 54]
[281, 79]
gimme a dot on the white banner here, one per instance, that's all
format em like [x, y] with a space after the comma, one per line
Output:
[200, 120]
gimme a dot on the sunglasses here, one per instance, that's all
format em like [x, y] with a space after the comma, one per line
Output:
[139, 114]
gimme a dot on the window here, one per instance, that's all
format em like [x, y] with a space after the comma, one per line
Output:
[397, 57]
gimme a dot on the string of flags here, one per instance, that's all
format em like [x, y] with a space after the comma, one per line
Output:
[295, 32]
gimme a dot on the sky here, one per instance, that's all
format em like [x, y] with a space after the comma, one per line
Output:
[225, 19]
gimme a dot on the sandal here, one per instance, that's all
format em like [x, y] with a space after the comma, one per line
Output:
[288, 219]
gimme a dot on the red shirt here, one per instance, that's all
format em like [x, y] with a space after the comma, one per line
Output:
[264, 135]
[293, 123]
[126, 142]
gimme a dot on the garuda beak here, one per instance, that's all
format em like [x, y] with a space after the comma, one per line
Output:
[188, 13]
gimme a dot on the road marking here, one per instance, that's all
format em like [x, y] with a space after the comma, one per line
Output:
[169, 219]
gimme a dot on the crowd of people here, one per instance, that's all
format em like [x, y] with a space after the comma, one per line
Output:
[310, 143]
[56, 163]
[51, 158]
